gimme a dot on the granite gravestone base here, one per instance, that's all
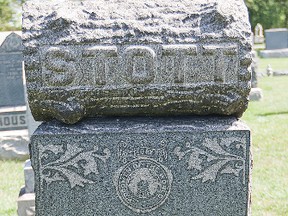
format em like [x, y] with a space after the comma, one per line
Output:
[26, 199]
[142, 166]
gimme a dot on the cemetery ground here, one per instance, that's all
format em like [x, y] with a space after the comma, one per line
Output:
[268, 120]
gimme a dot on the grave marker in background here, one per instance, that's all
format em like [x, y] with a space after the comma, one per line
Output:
[276, 43]
[15, 119]
[258, 34]
[11, 75]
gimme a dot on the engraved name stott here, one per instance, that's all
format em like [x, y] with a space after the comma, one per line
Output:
[137, 166]
[140, 60]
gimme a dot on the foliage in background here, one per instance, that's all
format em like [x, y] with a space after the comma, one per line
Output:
[10, 15]
[269, 13]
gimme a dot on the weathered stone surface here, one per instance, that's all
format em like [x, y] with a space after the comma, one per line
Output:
[14, 119]
[142, 166]
[29, 177]
[256, 94]
[26, 205]
[276, 53]
[254, 67]
[280, 73]
[14, 145]
[258, 34]
[136, 57]
[11, 76]
[276, 38]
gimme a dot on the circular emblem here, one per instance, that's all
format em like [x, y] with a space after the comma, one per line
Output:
[143, 184]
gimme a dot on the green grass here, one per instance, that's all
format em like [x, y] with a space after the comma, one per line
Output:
[11, 180]
[276, 64]
[268, 120]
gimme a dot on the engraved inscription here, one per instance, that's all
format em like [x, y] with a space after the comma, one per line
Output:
[13, 121]
[128, 152]
[143, 184]
[211, 159]
[187, 64]
[11, 66]
[140, 64]
[71, 164]
[98, 59]
[59, 67]
[101, 66]
[175, 59]
[222, 61]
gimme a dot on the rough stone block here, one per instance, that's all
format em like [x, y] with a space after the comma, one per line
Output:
[256, 94]
[277, 53]
[29, 177]
[26, 205]
[142, 166]
[127, 58]
[276, 38]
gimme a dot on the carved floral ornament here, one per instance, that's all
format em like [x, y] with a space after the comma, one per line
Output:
[144, 184]
[74, 165]
[211, 160]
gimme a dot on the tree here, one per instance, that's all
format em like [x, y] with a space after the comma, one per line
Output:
[10, 11]
[270, 13]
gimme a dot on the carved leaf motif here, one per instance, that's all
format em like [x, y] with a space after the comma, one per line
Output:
[74, 178]
[195, 160]
[231, 170]
[213, 145]
[74, 165]
[210, 164]
[211, 172]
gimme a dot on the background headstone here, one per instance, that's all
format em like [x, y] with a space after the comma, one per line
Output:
[276, 43]
[258, 34]
[16, 122]
[256, 94]
[276, 38]
[26, 200]
[11, 75]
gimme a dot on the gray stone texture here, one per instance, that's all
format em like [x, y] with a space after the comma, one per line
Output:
[14, 145]
[11, 76]
[254, 67]
[280, 73]
[26, 200]
[256, 94]
[124, 58]
[142, 166]
[258, 34]
[26, 205]
[276, 38]
[29, 177]
[277, 53]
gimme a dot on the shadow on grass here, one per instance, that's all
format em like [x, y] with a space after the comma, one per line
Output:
[274, 113]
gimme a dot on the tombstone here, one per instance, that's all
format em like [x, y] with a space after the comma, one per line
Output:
[26, 200]
[119, 91]
[276, 43]
[11, 76]
[256, 93]
[276, 38]
[15, 119]
[258, 34]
